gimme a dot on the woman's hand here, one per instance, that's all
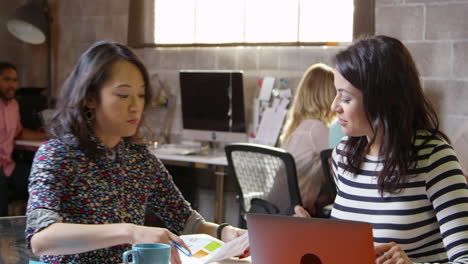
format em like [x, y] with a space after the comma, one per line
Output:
[299, 211]
[391, 253]
[230, 233]
[145, 234]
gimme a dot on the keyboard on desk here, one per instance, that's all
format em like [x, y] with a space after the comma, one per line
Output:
[177, 149]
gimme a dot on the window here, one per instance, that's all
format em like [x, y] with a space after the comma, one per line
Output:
[245, 22]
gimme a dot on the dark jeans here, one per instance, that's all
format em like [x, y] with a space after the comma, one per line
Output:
[14, 187]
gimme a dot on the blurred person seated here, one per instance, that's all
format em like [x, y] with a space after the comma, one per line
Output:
[13, 175]
[305, 133]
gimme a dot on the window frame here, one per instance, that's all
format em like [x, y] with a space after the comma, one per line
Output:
[141, 27]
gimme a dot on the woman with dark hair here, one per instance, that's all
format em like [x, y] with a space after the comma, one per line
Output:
[94, 186]
[395, 168]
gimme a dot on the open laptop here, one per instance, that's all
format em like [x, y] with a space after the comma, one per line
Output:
[293, 240]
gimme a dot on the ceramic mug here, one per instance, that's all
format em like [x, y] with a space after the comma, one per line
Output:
[148, 253]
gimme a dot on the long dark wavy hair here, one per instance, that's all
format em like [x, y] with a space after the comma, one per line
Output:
[382, 68]
[89, 74]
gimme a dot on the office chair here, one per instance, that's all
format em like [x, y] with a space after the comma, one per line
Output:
[256, 169]
[328, 191]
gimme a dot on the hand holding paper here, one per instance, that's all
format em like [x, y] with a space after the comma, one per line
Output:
[207, 249]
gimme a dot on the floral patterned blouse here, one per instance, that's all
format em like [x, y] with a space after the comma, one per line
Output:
[127, 185]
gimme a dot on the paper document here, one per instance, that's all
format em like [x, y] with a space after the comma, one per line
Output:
[267, 86]
[270, 126]
[284, 103]
[207, 249]
[285, 93]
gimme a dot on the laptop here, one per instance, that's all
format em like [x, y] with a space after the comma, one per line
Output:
[293, 240]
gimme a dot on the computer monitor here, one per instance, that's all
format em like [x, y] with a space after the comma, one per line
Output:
[212, 105]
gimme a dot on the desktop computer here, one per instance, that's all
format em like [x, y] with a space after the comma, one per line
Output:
[213, 106]
[213, 112]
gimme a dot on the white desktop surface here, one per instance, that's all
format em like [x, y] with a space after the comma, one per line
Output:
[216, 159]
[216, 162]
[28, 143]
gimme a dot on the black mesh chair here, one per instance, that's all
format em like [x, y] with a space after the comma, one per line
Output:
[257, 170]
[328, 190]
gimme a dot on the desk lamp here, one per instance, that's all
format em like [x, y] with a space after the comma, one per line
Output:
[30, 23]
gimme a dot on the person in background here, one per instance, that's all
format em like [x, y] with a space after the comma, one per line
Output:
[305, 132]
[94, 184]
[13, 175]
[395, 169]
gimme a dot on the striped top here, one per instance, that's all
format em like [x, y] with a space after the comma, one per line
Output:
[428, 218]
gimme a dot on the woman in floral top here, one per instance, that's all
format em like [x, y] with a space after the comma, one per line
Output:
[93, 187]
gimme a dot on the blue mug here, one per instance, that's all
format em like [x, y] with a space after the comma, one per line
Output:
[148, 253]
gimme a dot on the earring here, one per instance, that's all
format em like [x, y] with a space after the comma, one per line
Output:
[89, 114]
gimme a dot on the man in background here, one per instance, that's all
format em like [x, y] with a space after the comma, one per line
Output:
[13, 176]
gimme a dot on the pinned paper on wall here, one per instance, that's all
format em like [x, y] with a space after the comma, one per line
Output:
[256, 114]
[267, 87]
[285, 93]
[270, 126]
[284, 103]
[276, 103]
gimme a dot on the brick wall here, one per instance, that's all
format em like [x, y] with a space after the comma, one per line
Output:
[31, 60]
[78, 24]
[436, 32]
[255, 62]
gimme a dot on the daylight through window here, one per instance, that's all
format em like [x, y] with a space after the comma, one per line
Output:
[252, 21]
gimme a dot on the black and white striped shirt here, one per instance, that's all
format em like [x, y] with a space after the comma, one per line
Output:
[428, 218]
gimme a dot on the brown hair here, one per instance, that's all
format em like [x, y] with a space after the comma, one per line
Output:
[92, 70]
[383, 70]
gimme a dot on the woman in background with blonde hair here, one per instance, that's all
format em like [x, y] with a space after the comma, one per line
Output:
[305, 132]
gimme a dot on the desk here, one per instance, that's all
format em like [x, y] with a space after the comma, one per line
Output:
[31, 145]
[216, 163]
[14, 249]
